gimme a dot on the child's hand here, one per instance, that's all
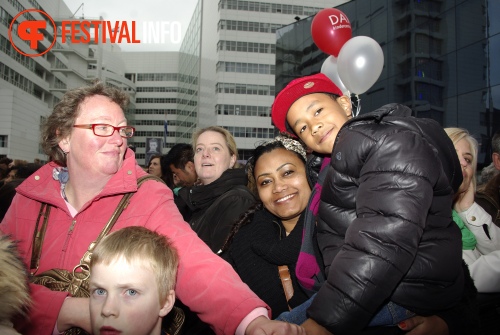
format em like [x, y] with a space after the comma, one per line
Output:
[420, 325]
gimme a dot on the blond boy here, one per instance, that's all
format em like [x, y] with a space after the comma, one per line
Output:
[132, 282]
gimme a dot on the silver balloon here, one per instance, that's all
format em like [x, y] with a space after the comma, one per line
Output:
[360, 63]
[329, 69]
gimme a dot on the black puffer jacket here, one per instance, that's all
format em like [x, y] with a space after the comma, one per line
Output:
[385, 226]
[216, 206]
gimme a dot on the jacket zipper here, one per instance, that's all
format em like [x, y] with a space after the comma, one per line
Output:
[70, 232]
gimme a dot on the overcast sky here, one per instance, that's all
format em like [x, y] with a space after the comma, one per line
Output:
[173, 14]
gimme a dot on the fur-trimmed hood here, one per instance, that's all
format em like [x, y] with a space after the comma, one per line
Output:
[14, 290]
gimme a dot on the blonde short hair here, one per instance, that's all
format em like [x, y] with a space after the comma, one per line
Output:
[458, 134]
[230, 142]
[141, 244]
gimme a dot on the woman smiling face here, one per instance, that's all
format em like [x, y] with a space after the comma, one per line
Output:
[282, 184]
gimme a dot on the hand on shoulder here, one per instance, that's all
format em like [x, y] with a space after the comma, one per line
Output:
[429, 325]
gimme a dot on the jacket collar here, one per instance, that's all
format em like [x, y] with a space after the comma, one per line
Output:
[42, 187]
[377, 115]
[202, 196]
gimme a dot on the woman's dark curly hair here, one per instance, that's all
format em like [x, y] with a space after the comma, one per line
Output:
[60, 122]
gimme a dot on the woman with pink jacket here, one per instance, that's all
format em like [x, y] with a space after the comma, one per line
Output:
[90, 170]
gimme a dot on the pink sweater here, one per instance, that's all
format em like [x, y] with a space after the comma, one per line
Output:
[205, 283]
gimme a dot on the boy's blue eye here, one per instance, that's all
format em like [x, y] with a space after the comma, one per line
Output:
[99, 291]
[131, 292]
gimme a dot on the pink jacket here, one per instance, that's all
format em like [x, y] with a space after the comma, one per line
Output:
[205, 283]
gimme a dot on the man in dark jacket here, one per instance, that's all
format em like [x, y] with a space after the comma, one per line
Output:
[488, 195]
[385, 227]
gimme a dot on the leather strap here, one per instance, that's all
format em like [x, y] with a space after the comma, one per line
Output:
[39, 235]
[114, 217]
[286, 281]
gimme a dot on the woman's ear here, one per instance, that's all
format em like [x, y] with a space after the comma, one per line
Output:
[64, 144]
[345, 102]
[232, 161]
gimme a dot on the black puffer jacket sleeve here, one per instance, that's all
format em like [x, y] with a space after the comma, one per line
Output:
[385, 227]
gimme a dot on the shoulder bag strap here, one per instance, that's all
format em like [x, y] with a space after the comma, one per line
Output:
[39, 235]
[114, 217]
[286, 281]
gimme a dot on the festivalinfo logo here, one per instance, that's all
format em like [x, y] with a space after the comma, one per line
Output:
[89, 32]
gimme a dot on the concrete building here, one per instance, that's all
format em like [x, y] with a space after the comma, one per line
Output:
[440, 59]
[223, 75]
[31, 86]
[158, 90]
[229, 52]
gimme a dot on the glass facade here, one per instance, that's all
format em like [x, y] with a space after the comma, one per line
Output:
[189, 65]
[439, 59]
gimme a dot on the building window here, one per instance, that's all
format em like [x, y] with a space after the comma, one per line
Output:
[244, 89]
[3, 141]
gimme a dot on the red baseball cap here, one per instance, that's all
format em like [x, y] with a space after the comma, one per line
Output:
[296, 89]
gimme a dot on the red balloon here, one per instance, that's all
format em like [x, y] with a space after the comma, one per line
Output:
[330, 29]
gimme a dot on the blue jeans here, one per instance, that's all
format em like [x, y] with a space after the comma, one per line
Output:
[298, 314]
[389, 315]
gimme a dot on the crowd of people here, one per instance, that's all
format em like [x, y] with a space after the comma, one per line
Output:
[371, 224]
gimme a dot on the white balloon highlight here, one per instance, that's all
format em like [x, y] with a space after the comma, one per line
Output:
[360, 63]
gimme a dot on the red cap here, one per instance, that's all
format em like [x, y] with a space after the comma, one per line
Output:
[296, 89]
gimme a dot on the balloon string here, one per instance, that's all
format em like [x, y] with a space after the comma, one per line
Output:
[355, 103]
[358, 105]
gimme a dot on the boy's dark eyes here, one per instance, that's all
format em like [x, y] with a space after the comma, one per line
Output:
[316, 113]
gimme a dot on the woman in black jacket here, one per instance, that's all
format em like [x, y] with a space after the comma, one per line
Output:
[269, 235]
[222, 195]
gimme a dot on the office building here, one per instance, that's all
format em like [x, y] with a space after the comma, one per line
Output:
[440, 59]
[154, 113]
[31, 86]
[229, 54]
